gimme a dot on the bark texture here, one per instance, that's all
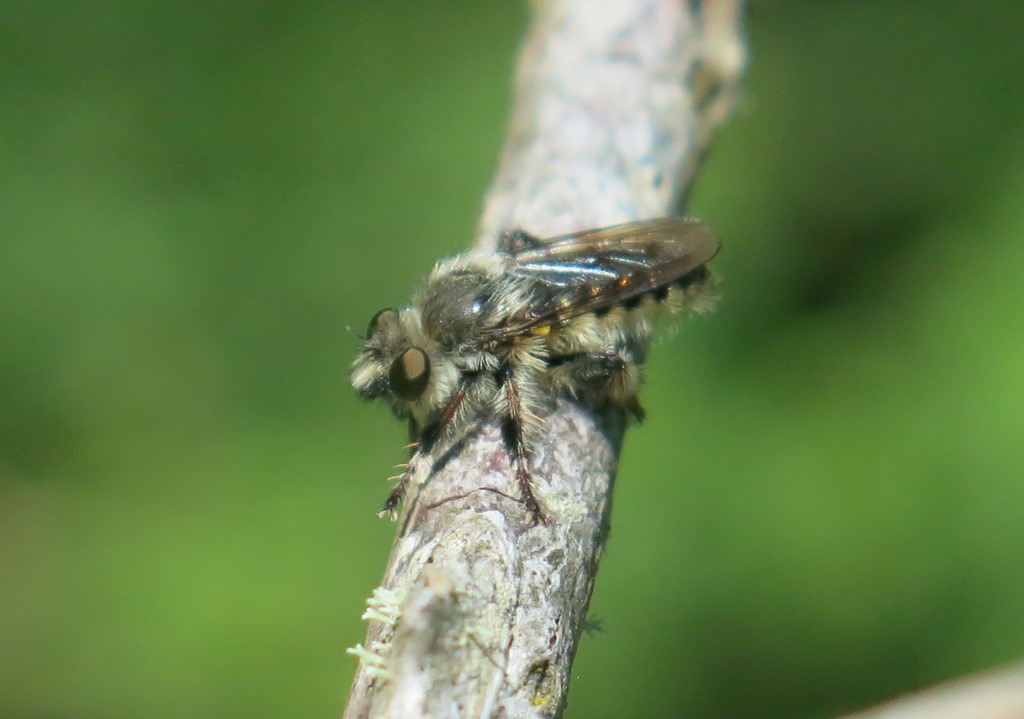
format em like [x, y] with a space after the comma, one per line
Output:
[481, 609]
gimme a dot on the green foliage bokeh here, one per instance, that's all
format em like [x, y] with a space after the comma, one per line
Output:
[202, 204]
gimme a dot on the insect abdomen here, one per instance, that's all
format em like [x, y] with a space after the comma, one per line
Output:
[631, 319]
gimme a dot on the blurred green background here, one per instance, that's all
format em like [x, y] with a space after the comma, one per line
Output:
[197, 200]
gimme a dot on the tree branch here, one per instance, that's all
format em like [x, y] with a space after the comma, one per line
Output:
[995, 695]
[481, 609]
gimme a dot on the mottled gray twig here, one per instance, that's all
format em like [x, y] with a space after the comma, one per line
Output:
[996, 695]
[480, 609]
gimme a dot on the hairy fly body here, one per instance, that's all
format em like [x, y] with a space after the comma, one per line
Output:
[492, 336]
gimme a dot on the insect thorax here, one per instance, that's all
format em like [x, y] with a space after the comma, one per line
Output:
[466, 298]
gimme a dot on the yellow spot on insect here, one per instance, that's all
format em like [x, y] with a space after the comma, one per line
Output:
[541, 701]
[542, 331]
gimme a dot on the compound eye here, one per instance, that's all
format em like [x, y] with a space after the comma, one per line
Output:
[409, 374]
[386, 316]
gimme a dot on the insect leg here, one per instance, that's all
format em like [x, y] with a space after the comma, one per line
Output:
[390, 505]
[514, 433]
[423, 442]
[602, 378]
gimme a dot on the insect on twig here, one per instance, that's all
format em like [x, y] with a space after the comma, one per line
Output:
[493, 335]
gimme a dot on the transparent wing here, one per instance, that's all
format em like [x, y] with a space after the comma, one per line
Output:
[596, 269]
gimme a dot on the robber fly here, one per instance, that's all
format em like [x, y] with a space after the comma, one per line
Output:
[494, 335]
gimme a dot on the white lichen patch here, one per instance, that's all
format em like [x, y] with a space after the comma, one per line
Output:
[383, 606]
[373, 662]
